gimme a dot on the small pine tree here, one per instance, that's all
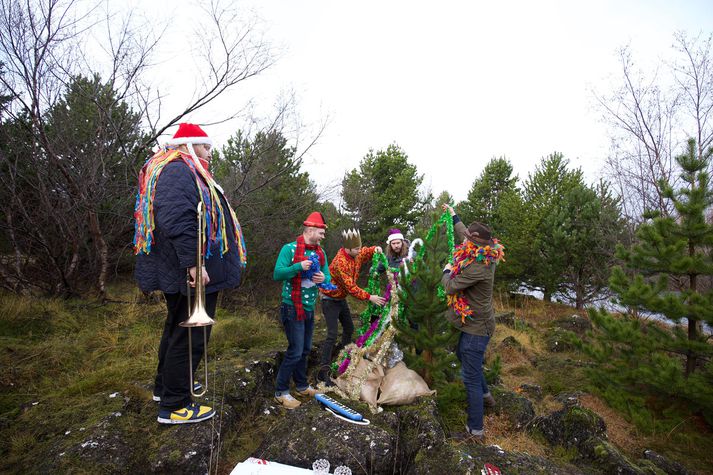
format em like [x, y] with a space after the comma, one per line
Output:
[424, 326]
[672, 253]
[664, 277]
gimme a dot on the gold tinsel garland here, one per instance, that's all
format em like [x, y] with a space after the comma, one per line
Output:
[374, 354]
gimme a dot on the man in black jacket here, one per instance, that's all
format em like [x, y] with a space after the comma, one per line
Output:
[171, 185]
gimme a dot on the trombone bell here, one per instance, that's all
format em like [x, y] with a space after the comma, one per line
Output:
[199, 318]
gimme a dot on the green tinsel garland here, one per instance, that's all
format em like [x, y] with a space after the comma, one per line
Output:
[374, 286]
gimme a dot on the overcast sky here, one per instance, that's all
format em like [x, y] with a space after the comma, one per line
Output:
[453, 83]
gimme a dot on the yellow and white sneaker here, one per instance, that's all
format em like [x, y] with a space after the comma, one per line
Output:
[287, 401]
[193, 412]
[309, 391]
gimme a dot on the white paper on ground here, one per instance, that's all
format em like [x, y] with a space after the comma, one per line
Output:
[254, 466]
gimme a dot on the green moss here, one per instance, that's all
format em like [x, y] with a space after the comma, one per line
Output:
[451, 403]
[565, 454]
[558, 374]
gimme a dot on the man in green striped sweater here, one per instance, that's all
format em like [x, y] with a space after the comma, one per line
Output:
[299, 295]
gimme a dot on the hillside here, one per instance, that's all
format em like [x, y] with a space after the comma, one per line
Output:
[75, 396]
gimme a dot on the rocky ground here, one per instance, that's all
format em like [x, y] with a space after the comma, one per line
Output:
[77, 399]
[399, 440]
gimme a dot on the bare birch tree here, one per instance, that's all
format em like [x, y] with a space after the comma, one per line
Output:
[652, 114]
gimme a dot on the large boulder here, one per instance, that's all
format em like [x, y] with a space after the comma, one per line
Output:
[111, 445]
[474, 457]
[308, 433]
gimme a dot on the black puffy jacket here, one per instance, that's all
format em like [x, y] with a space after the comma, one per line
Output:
[175, 238]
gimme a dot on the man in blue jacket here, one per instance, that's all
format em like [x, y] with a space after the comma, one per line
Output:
[171, 185]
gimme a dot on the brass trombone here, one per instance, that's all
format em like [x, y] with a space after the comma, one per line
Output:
[198, 316]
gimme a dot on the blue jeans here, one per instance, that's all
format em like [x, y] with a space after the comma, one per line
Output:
[470, 352]
[299, 345]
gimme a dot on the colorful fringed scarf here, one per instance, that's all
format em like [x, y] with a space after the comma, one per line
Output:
[463, 256]
[215, 222]
[297, 280]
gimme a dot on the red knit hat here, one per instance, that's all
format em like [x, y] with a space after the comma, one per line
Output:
[189, 133]
[315, 220]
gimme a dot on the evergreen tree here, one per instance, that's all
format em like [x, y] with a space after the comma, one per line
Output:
[584, 229]
[262, 176]
[424, 326]
[673, 252]
[383, 193]
[543, 193]
[664, 273]
[487, 193]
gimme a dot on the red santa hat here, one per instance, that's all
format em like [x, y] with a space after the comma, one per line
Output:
[189, 134]
[315, 220]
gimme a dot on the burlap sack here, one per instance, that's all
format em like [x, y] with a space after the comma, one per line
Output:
[370, 387]
[401, 385]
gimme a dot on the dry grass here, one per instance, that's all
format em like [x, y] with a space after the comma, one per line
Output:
[621, 433]
[541, 314]
[500, 432]
[529, 344]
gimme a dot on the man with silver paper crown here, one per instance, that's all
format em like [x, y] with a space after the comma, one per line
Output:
[344, 270]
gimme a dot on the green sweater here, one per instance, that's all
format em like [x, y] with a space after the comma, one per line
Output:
[286, 270]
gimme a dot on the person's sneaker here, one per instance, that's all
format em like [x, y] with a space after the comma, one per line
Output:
[197, 387]
[193, 412]
[488, 400]
[475, 436]
[287, 401]
[309, 391]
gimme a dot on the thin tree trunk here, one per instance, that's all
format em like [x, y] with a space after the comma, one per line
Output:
[100, 244]
[692, 323]
[17, 261]
[428, 360]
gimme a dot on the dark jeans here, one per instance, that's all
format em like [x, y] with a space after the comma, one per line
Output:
[299, 345]
[470, 352]
[172, 382]
[336, 311]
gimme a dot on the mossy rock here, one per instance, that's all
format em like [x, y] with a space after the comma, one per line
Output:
[608, 458]
[510, 463]
[308, 433]
[518, 409]
[505, 318]
[558, 340]
[531, 390]
[510, 342]
[664, 464]
[569, 427]
[575, 323]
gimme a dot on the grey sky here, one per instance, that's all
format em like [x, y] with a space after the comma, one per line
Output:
[453, 83]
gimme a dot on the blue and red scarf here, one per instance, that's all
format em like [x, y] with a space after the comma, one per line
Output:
[296, 293]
